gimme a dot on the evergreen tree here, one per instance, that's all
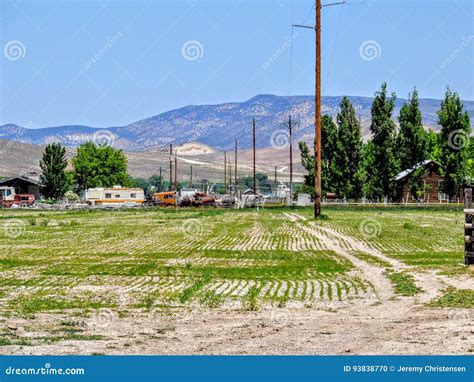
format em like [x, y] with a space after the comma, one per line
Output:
[454, 142]
[412, 138]
[54, 181]
[381, 162]
[345, 168]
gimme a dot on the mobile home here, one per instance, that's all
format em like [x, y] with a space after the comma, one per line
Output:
[116, 196]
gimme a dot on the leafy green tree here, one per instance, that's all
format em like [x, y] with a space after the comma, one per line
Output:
[381, 162]
[470, 162]
[346, 164]
[307, 161]
[454, 142]
[54, 181]
[99, 166]
[140, 183]
[263, 183]
[160, 184]
[412, 138]
[432, 146]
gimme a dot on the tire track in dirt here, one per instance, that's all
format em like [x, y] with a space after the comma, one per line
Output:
[432, 285]
[371, 273]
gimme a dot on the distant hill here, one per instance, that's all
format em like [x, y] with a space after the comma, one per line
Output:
[22, 158]
[217, 125]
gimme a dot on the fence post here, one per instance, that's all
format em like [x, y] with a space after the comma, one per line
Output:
[468, 227]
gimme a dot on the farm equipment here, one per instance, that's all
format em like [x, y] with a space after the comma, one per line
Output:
[171, 198]
[163, 199]
[9, 198]
[202, 199]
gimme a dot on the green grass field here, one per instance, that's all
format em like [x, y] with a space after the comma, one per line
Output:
[73, 265]
[132, 259]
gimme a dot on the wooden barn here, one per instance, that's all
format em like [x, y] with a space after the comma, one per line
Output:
[431, 179]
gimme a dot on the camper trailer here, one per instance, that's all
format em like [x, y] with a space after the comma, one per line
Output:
[116, 196]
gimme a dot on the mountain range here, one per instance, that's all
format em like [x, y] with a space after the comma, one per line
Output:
[217, 125]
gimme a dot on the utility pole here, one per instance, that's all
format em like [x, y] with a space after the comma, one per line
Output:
[191, 178]
[317, 115]
[291, 159]
[161, 180]
[176, 170]
[276, 186]
[225, 172]
[317, 108]
[230, 176]
[254, 158]
[235, 167]
[171, 168]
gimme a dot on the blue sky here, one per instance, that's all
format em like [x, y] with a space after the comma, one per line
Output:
[110, 63]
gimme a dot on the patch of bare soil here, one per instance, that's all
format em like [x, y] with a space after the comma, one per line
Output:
[393, 327]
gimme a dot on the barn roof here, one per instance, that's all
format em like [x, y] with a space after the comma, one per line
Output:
[19, 179]
[407, 172]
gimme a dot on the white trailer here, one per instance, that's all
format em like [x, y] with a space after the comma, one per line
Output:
[116, 196]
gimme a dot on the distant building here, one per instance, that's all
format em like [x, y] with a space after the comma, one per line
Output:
[432, 181]
[23, 185]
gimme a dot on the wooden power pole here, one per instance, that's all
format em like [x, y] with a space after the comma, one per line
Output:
[161, 180]
[171, 168]
[317, 115]
[191, 177]
[291, 159]
[225, 172]
[235, 167]
[176, 170]
[254, 158]
[230, 176]
[317, 108]
[276, 186]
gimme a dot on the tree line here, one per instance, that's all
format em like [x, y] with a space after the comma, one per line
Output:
[353, 169]
[93, 166]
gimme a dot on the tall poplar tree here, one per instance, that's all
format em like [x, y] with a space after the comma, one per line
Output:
[453, 142]
[412, 138]
[381, 164]
[328, 152]
[346, 166]
[54, 182]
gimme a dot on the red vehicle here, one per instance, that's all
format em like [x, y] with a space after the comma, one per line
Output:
[8, 198]
[201, 199]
